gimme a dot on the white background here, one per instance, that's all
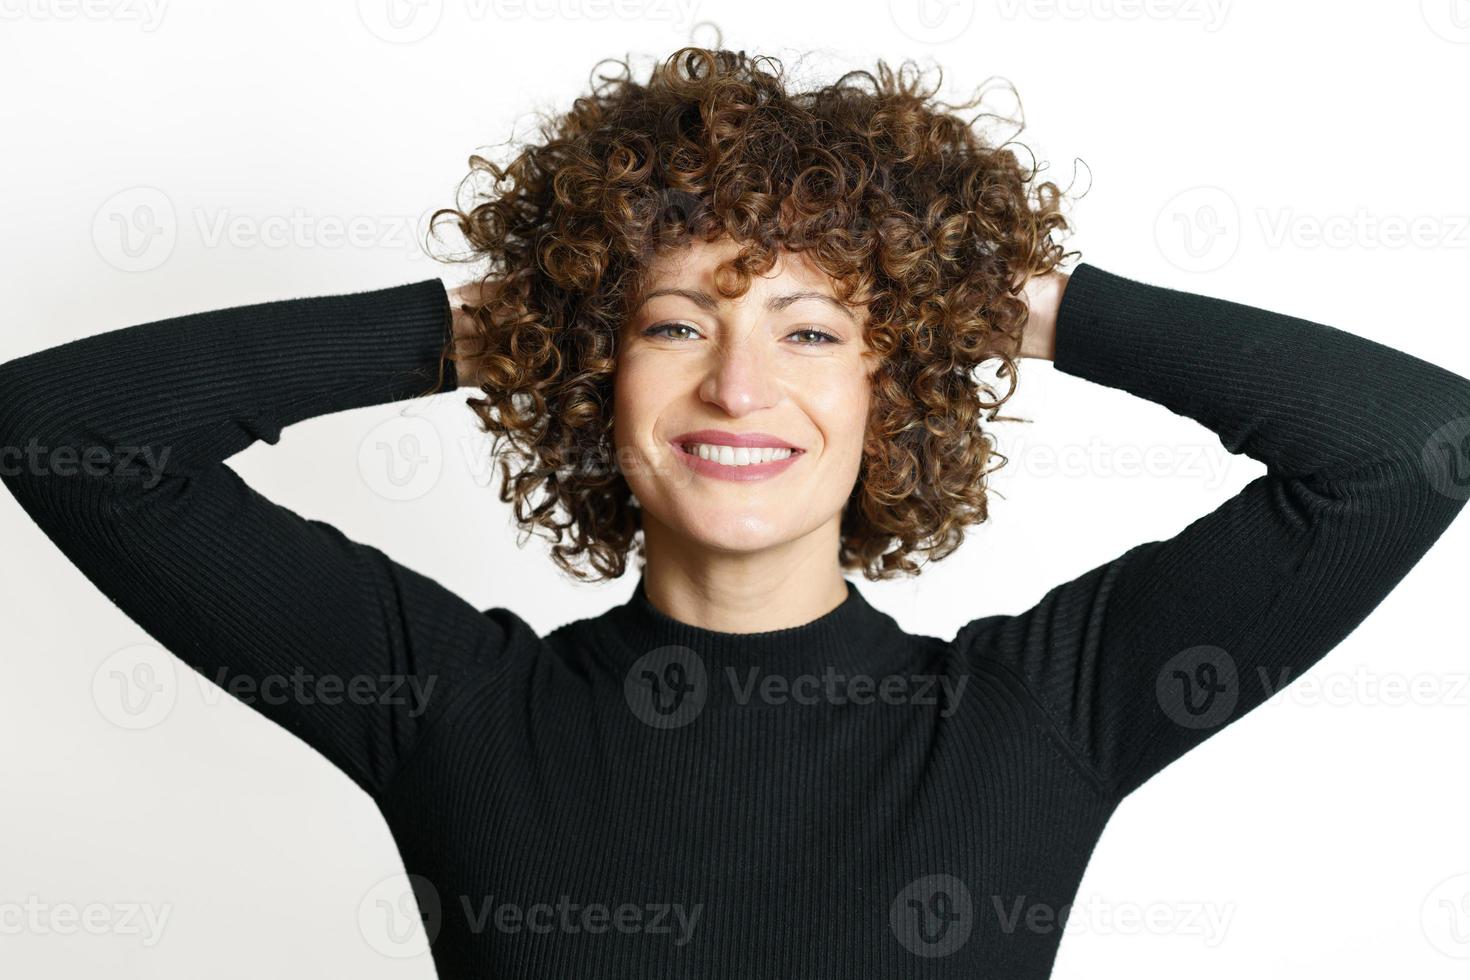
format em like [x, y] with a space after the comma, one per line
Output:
[1289, 142]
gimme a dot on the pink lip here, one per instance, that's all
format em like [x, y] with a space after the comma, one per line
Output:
[718, 437]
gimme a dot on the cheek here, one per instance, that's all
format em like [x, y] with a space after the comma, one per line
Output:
[842, 412]
[639, 395]
[629, 401]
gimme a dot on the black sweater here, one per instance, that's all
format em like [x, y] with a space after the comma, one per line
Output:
[632, 797]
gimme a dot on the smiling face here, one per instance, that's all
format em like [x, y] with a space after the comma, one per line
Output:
[739, 423]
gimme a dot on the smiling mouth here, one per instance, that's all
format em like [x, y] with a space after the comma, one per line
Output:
[738, 455]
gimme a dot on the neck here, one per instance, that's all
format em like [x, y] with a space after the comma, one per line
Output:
[743, 592]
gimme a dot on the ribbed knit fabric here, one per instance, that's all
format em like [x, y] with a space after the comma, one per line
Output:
[633, 797]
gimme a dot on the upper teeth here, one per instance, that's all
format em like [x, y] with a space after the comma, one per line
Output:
[736, 455]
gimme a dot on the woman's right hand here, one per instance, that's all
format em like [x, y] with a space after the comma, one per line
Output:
[466, 331]
[466, 294]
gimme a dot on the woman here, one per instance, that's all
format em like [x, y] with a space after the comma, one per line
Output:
[734, 329]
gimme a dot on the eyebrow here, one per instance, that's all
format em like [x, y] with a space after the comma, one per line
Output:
[775, 303]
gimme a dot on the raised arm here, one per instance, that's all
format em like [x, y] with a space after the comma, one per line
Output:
[1138, 660]
[115, 445]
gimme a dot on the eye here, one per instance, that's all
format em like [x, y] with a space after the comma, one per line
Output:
[823, 337]
[657, 330]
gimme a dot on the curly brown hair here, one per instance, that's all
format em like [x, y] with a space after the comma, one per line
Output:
[894, 196]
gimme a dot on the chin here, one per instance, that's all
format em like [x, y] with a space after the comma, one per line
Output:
[726, 532]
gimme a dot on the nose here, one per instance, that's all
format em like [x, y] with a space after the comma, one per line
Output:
[741, 378]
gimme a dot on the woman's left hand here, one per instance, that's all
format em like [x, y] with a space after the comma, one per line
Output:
[1043, 296]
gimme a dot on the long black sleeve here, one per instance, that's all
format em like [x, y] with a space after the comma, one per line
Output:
[1147, 655]
[348, 650]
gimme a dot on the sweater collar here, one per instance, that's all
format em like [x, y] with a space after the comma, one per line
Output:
[853, 636]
